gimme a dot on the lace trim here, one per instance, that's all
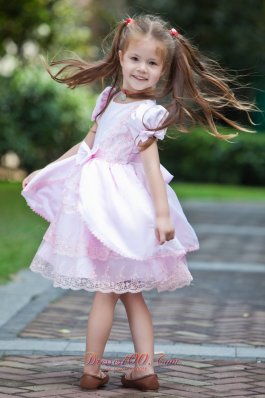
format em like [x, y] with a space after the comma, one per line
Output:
[36, 211]
[39, 265]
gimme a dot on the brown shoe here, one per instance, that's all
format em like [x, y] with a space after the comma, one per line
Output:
[91, 382]
[144, 383]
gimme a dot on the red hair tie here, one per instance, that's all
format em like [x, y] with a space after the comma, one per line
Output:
[174, 32]
[128, 21]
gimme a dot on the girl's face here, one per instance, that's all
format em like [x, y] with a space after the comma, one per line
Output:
[142, 63]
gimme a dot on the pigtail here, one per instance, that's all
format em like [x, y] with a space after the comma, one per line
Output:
[201, 92]
[108, 67]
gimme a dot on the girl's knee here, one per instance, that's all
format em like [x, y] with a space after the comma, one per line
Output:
[124, 297]
[113, 296]
[116, 296]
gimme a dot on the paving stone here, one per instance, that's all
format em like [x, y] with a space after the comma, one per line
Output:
[51, 380]
[46, 387]
[16, 365]
[7, 370]
[13, 382]
[229, 387]
[49, 393]
[259, 396]
[226, 375]
[10, 390]
[18, 377]
[187, 375]
[229, 380]
[193, 364]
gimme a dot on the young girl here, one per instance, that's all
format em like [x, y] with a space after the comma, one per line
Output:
[116, 226]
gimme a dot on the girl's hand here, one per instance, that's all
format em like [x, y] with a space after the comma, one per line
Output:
[28, 178]
[164, 229]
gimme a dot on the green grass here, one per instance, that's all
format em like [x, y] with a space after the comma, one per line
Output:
[21, 230]
[218, 192]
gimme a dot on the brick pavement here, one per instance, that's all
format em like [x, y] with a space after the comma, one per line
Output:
[225, 310]
[58, 376]
[223, 307]
[229, 232]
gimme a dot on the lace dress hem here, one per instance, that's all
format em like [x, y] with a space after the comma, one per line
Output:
[41, 266]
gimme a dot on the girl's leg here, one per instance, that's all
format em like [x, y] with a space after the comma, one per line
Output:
[98, 330]
[141, 326]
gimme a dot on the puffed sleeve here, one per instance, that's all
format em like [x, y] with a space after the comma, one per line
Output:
[146, 116]
[100, 102]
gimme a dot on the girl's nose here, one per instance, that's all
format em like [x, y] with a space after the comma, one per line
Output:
[142, 67]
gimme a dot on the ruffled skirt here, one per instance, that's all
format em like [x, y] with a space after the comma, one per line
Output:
[81, 248]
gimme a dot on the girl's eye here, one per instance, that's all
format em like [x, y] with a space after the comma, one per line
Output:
[153, 63]
[134, 58]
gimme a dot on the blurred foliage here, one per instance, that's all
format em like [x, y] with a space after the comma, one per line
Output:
[19, 21]
[40, 119]
[51, 25]
[199, 157]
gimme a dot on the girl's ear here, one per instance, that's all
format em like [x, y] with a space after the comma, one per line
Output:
[120, 57]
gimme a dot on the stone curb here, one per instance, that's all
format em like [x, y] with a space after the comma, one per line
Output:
[21, 346]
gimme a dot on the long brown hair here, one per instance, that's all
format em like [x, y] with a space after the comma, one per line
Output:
[198, 86]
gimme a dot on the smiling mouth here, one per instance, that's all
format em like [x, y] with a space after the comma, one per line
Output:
[139, 78]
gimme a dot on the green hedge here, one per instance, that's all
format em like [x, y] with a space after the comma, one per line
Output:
[41, 119]
[199, 157]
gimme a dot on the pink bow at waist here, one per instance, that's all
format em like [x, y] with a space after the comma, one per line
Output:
[85, 153]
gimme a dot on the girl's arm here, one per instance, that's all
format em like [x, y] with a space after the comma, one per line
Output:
[164, 226]
[90, 137]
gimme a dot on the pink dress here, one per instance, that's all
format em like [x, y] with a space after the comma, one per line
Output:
[101, 235]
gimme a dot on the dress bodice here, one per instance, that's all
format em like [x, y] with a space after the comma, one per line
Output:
[120, 128]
